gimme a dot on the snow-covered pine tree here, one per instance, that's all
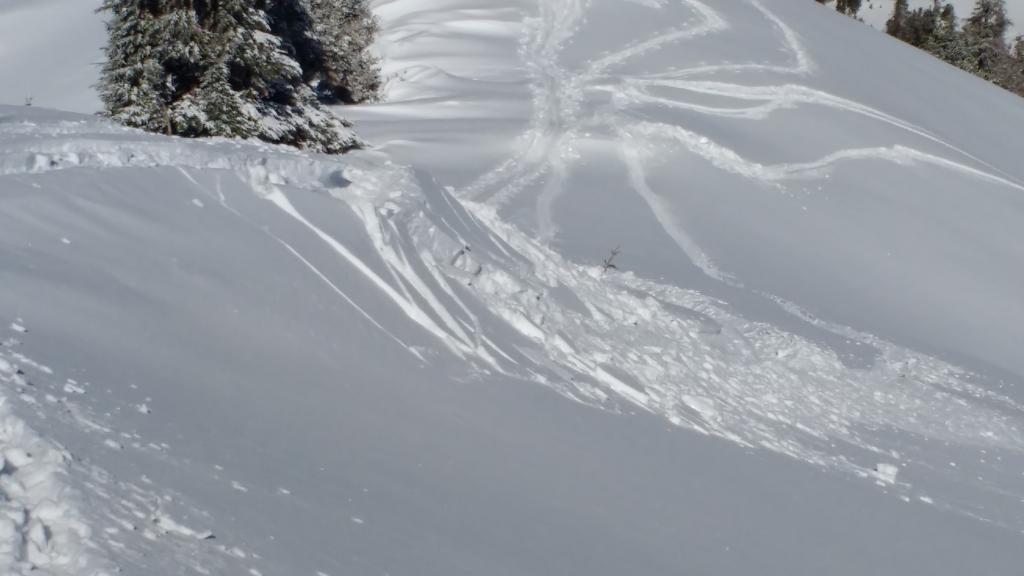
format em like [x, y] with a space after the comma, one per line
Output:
[345, 30]
[271, 80]
[896, 24]
[985, 36]
[211, 68]
[848, 7]
[217, 108]
[134, 87]
[946, 41]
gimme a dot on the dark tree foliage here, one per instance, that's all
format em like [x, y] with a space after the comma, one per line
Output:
[346, 27]
[232, 68]
[848, 7]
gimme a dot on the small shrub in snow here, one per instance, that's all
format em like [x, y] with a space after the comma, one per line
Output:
[609, 262]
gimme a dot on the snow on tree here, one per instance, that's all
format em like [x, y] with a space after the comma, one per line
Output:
[219, 108]
[945, 40]
[134, 86]
[848, 7]
[201, 68]
[985, 36]
[896, 24]
[346, 28]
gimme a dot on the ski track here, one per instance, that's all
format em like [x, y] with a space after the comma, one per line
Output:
[453, 267]
[825, 404]
[469, 280]
[547, 149]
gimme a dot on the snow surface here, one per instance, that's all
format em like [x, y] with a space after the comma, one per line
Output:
[227, 357]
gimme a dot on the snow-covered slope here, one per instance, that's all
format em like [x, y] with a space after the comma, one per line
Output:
[769, 163]
[231, 358]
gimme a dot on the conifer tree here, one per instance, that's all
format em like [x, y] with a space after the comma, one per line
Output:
[212, 68]
[135, 87]
[345, 28]
[221, 108]
[946, 41]
[985, 35]
[1010, 74]
[848, 7]
[896, 24]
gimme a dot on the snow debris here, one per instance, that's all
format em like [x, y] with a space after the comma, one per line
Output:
[886, 473]
[41, 528]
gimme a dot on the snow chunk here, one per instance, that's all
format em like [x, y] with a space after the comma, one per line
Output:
[167, 525]
[17, 457]
[886, 473]
[703, 406]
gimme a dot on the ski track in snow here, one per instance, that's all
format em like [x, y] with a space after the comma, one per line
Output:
[468, 280]
[560, 121]
[825, 404]
[799, 411]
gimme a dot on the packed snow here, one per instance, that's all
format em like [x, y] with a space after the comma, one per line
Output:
[230, 357]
